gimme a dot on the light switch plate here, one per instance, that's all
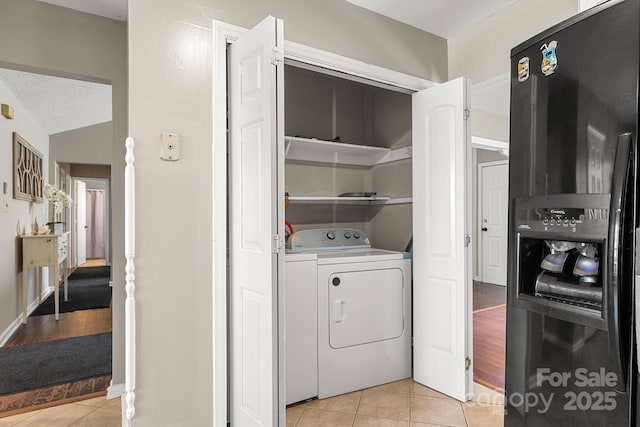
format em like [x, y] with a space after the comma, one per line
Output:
[170, 146]
[5, 204]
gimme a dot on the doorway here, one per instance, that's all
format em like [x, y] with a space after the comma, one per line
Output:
[85, 320]
[91, 221]
[489, 290]
[262, 300]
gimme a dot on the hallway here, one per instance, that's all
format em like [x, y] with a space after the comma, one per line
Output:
[489, 334]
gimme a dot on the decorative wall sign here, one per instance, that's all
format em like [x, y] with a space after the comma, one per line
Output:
[28, 178]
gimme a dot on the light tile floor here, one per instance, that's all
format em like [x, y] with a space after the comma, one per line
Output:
[96, 412]
[399, 404]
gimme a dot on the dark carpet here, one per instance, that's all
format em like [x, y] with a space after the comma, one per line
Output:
[33, 366]
[88, 288]
[91, 273]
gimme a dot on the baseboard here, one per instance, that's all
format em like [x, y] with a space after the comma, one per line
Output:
[115, 391]
[13, 327]
[7, 333]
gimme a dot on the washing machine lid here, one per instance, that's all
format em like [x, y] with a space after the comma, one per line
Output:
[357, 255]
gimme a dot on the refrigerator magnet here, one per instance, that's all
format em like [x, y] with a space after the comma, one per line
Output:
[549, 58]
[523, 69]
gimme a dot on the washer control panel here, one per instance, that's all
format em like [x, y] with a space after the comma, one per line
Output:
[319, 239]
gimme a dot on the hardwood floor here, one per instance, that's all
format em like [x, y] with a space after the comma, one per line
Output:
[95, 262]
[489, 334]
[488, 295]
[46, 328]
[73, 324]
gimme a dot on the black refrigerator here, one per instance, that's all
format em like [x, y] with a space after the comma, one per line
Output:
[571, 344]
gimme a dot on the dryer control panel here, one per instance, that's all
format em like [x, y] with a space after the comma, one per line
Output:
[319, 239]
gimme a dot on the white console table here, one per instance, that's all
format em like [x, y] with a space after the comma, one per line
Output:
[48, 250]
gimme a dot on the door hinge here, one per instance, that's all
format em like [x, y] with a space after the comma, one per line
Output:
[277, 56]
[277, 243]
[467, 363]
[467, 114]
[467, 240]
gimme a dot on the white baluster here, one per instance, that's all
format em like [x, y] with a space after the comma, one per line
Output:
[130, 302]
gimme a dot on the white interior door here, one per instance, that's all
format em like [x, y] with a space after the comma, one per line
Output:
[256, 207]
[441, 261]
[81, 222]
[493, 223]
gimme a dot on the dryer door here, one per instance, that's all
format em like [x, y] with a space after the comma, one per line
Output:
[365, 307]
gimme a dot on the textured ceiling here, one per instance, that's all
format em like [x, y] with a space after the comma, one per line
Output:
[59, 104]
[445, 18]
[114, 9]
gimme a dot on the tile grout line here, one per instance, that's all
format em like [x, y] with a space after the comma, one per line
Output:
[357, 408]
[90, 412]
[411, 404]
[464, 413]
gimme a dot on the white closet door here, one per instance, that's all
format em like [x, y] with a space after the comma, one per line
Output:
[441, 283]
[257, 140]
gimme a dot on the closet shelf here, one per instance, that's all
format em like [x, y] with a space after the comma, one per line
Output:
[316, 150]
[327, 200]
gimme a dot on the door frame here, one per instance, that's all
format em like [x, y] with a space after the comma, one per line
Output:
[481, 167]
[490, 145]
[107, 224]
[223, 35]
[74, 222]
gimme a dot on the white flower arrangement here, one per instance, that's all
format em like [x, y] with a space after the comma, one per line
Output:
[58, 197]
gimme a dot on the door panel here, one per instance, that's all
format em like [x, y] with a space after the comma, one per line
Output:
[441, 261]
[256, 141]
[81, 222]
[493, 233]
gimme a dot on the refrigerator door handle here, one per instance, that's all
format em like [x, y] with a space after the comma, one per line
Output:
[613, 292]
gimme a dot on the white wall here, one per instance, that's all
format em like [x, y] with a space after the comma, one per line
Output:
[39, 37]
[484, 50]
[87, 145]
[93, 184]
[170, 91]
[19, 210]
[491, 126]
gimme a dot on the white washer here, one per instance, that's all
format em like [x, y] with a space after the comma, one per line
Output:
[363, 311]
[301, 326]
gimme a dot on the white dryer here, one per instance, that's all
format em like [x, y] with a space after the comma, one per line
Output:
[364, 310]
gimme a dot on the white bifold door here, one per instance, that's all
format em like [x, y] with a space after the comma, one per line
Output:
[441, 303]
[441, 281]
[256, 216]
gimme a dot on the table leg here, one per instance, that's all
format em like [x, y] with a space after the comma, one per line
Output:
[37, 278]
[56, 288]
[65, 275]
[25, 292]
